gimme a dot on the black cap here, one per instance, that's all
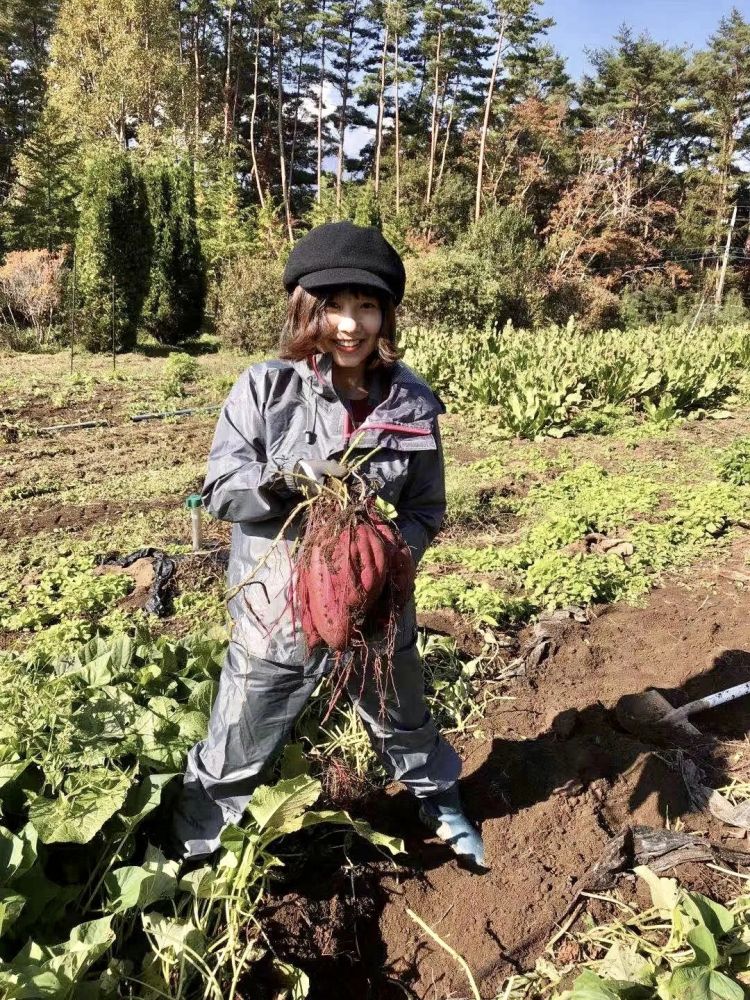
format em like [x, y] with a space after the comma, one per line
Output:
[340, 253]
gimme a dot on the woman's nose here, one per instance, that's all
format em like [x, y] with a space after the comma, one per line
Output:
[347, 324]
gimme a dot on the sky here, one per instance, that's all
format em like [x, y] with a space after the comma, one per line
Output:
[591, 24]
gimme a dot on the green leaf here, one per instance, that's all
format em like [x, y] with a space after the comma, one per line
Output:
[77, 815]
[140, 886]
[293, 763]
[695, 982]
[144, 798]
[701, 940]
[204, 882]
[393, 844]
[63, 964]
[10, 770]
[100, 661]
[279, 808]
[589, 986]
[17, 853]
[294, 982]
[11, 904]
[664, 891]
[174, 938]
[202, 696]
[624, 963]
[716, 917]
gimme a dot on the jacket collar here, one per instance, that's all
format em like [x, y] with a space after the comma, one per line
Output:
[408, 398]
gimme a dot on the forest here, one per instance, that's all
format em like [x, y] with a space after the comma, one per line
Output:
[162, 156]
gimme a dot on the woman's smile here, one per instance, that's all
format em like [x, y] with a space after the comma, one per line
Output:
[354, 321]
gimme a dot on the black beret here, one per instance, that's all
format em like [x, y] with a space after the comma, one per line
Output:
[340, 253]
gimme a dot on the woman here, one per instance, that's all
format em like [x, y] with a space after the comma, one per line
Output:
[281, 432]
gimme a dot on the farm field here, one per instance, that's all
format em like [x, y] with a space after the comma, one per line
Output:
[573, 569]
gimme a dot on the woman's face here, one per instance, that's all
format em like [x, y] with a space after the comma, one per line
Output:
[354, 320]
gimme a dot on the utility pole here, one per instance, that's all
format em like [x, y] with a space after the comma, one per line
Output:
[725, 262]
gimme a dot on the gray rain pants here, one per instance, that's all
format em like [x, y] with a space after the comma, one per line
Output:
[252, 718]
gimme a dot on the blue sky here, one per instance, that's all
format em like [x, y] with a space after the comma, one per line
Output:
[583, 24]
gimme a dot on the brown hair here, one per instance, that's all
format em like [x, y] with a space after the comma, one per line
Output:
[306, 324]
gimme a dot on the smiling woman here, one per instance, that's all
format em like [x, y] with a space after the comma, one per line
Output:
[286, 432]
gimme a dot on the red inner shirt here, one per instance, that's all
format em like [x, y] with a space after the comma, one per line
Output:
[361, 410]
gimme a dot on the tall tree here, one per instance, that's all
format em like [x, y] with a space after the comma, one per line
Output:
[514, 24]
[173, 308]
[720, 85]
[115, 68]
[346, 52]
[114, 238]
[25, 28]
[40, 211]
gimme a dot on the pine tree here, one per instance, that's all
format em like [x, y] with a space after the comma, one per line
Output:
[114, 238]
[25, 27]
[346, 51]
[40, 212]
[720, 90]
[173, 308]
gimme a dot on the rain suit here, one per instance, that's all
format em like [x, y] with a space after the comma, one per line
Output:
[277, 413]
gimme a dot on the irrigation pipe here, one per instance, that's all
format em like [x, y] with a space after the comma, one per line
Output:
[138, 417]
[71, 427]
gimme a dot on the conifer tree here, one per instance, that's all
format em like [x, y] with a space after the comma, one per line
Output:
[25, 28]
[40, 212]
[173, 308]
[114, 238]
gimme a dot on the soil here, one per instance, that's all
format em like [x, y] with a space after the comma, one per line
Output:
[553, 780]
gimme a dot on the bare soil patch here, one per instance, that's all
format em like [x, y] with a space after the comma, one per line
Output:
[555, 779]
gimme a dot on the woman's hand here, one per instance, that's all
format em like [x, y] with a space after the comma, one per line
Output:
[307, 477]
[311, 473]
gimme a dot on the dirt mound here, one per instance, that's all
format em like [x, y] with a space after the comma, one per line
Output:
[555, 779]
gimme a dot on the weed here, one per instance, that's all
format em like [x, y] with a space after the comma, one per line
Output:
[734, 464]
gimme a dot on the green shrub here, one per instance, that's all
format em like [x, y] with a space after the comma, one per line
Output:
[492, 274]
[734, 464]
[173, 309]
[180, 370]
[252, 304]
[114, 238]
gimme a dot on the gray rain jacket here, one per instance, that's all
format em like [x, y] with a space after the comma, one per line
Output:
[261, 433]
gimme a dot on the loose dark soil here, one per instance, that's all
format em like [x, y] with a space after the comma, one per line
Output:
[555, 778]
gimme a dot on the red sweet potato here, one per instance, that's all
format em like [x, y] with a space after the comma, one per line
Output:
[340, 584]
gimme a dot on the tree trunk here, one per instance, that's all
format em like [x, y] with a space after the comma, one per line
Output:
[344, 102]
[181, 57]
[397, 126]
[196, 81]
[296, 108]
[253, 115]
[486, 121]
[280, 125]
[445, 145]
[433, 126]
[228, 77]
[321, 85]
[381, 112]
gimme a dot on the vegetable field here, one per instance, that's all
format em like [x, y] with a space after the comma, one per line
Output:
[596, 545]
